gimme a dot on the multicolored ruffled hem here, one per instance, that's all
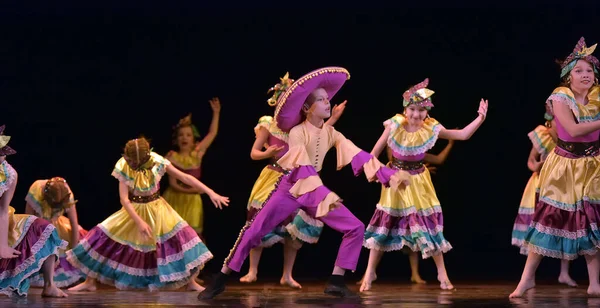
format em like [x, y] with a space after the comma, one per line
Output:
[298, 226]
[39, 240]
[65, 274]
[520, 228]
[305, 228]
[177, 256]
[276, 236]
[415, 230]
[558, 233]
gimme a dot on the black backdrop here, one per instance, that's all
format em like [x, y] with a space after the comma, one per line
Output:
[78, 84]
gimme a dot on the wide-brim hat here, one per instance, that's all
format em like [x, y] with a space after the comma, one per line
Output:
[4, 148]
[289, 105]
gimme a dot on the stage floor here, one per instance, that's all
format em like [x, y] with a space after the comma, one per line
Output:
[270, 294]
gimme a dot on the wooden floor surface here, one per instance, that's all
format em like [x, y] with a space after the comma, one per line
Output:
[270, 294]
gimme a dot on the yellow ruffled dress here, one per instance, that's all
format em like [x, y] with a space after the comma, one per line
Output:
[411, 217]
[566, 217]
[544, 144]
[35, 238]
[189, 206]
[65, 274]
[116, 253]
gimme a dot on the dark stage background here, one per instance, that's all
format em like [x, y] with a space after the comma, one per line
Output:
[78, 84]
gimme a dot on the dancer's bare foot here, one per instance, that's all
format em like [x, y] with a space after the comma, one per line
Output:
[566, 279]
[523, 286]
[363, 278]
[194, 286]
[88, 285]
[199, 281]
[368, 278]
[445, 283]
[290, 282]
[594, 290]
[53, 291]
[417, 279]
[249, 278]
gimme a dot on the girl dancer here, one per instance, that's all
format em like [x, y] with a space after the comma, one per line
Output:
[430, 161]
[543, 139]
[27, 243]
[565, 219]
[146, 244]
[188, 159]
[301, 187]
[50, 199]
[413, 217]
[302, 228]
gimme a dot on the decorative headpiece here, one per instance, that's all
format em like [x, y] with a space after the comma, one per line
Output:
[278, 89]
[580, 52]
[418, 95]
[4, 148]
[59, 201]
[186, 121]
[288, 112]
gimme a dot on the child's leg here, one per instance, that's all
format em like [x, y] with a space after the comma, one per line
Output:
[254, 260]
[528, 277]
[50, 289]
[290, 250]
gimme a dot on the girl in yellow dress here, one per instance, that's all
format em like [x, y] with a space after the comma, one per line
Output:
[543, 138]
[430, 161]
[299, 228]
[184, 199]
[146, 244]
[566, 217]
[412, 217]
[28, 244]
[50, 200]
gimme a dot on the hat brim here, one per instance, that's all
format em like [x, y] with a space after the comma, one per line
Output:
[289, 105]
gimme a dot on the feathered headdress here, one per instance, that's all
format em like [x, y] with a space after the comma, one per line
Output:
[418, 95]
[580, 52]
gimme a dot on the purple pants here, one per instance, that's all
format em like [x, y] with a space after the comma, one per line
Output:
[280, 206]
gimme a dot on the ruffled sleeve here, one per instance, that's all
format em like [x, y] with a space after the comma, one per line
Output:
[348, 153]
[307, 187]
[36, 201]
[542, 140]
[264, 122]
[144, 181]
[7, 176]
[412, 143]
[562, 95]
[394, 122]
[584, 113]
